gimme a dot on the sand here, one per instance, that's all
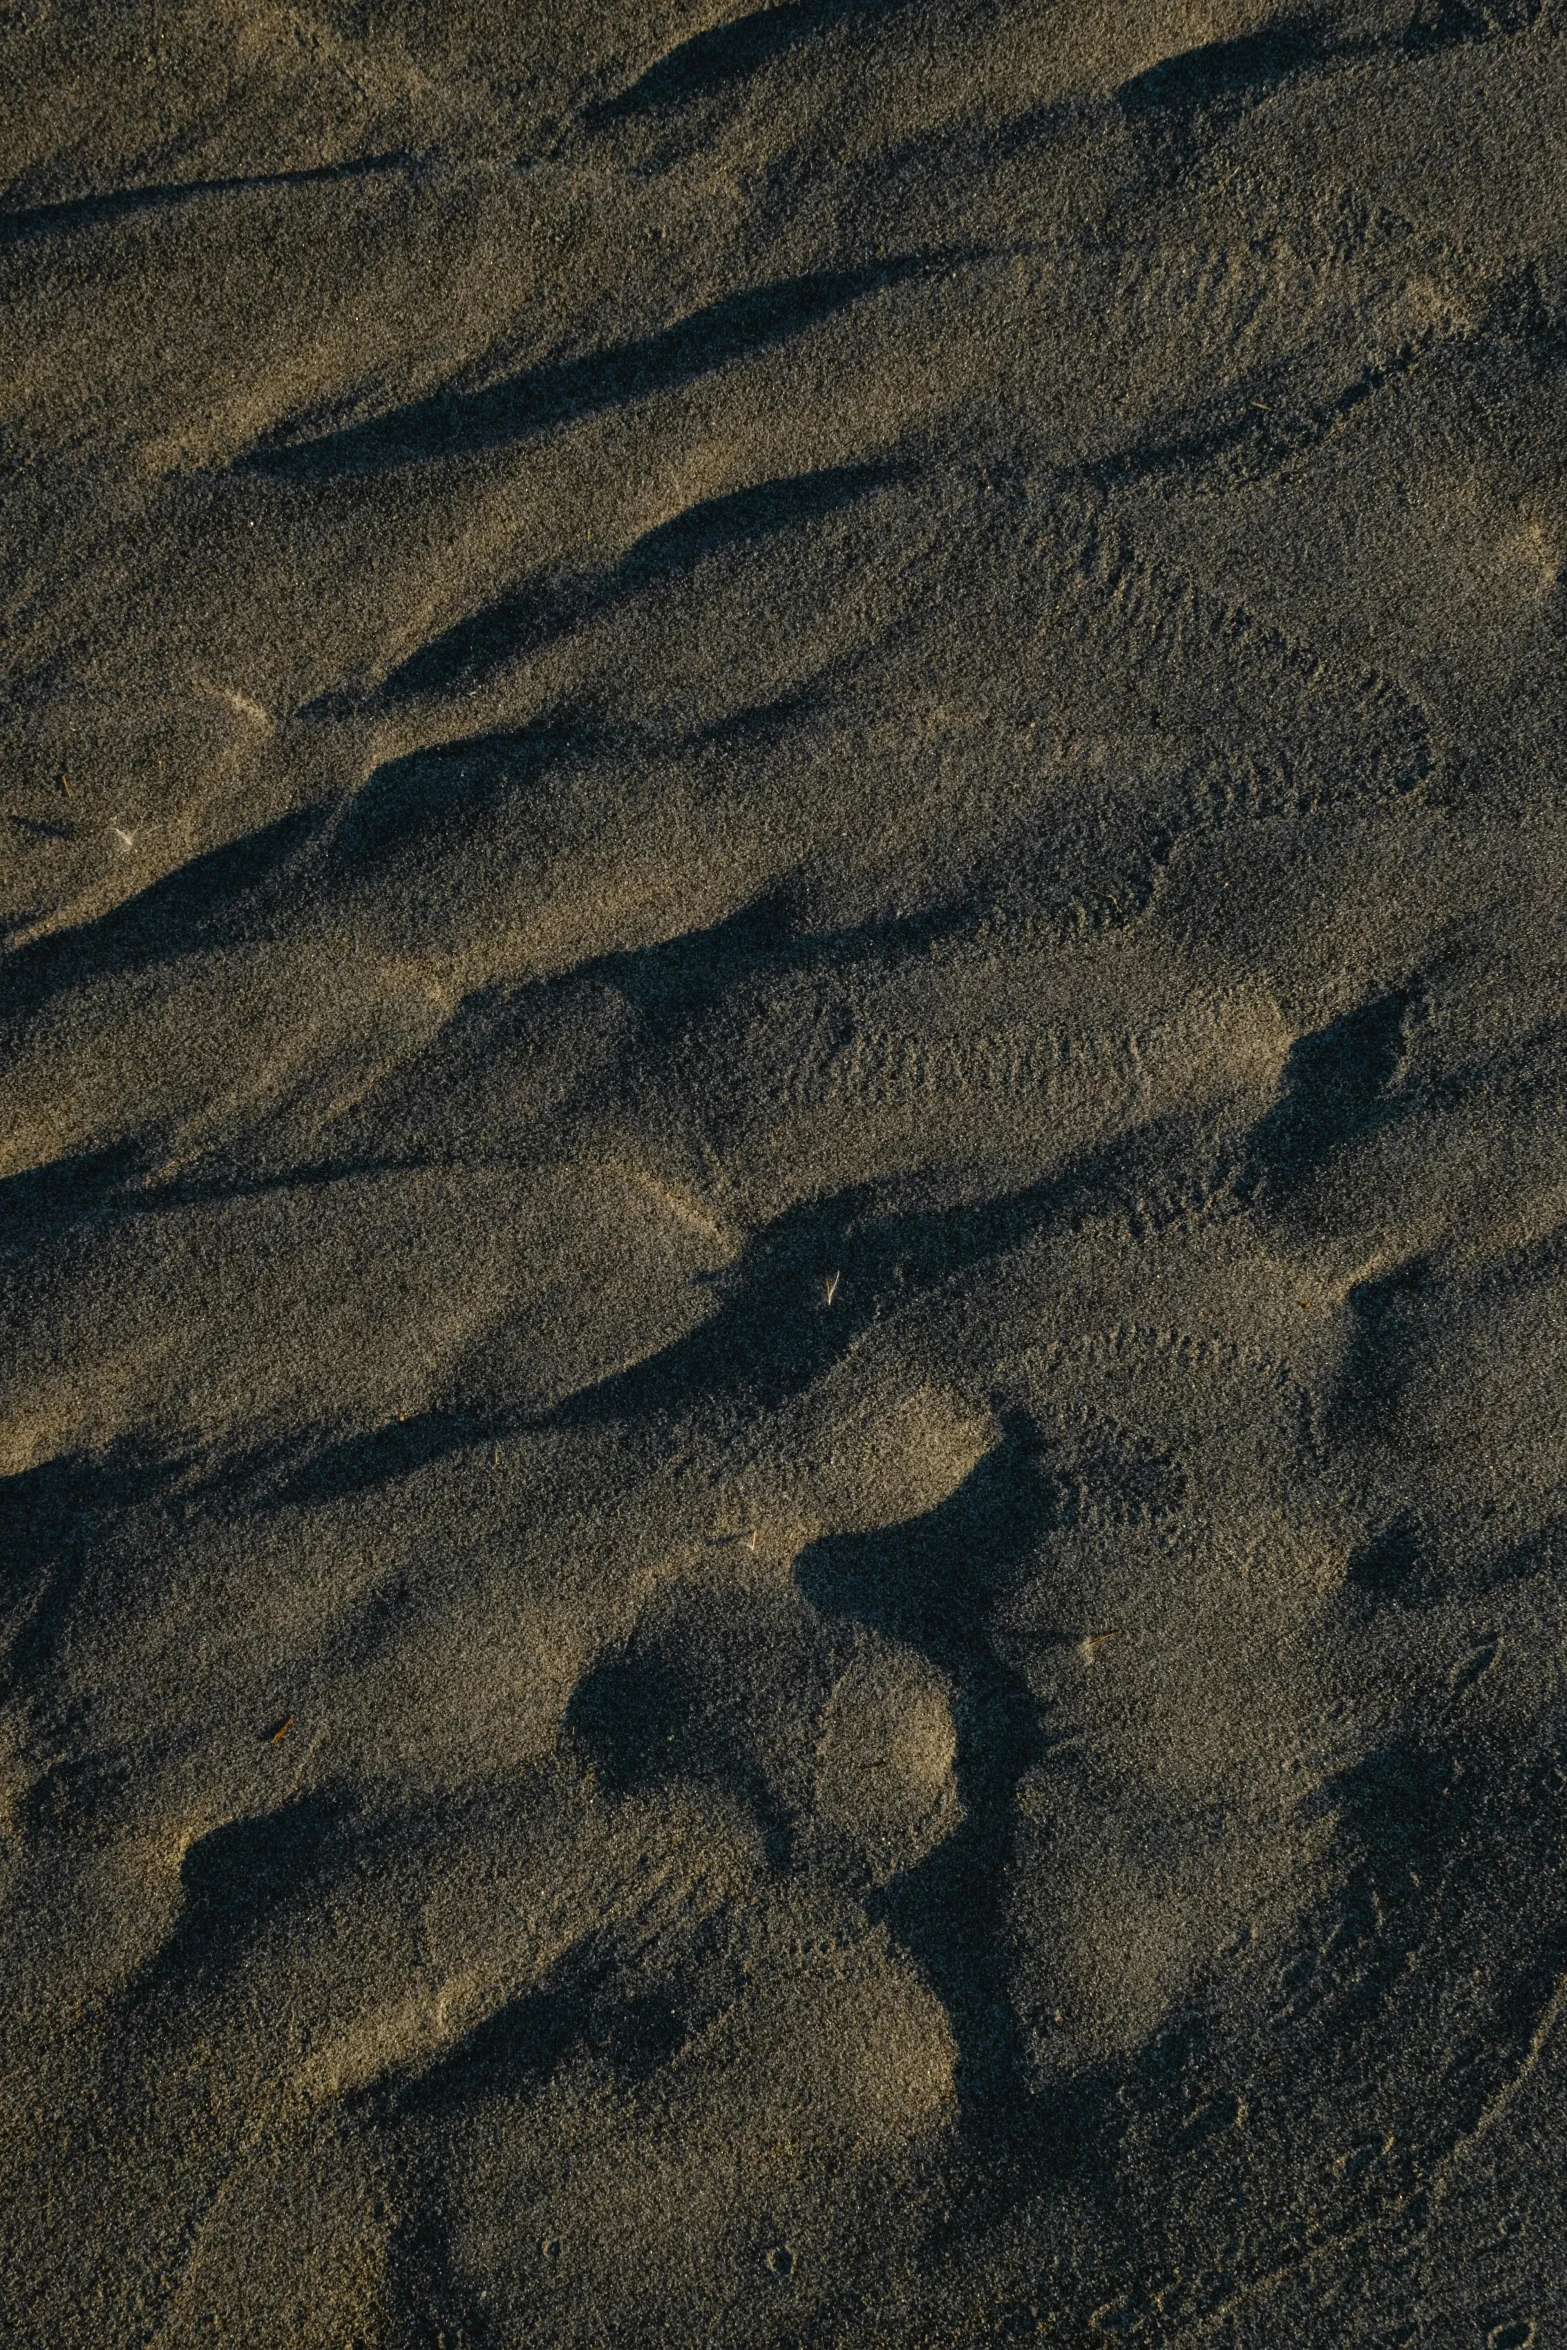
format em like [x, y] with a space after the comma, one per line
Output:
[783, 1504]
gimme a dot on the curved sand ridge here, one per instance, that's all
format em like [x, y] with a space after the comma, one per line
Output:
[782, 1498]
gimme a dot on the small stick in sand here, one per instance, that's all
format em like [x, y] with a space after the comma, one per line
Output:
[282, 1730]
[1088, 1649]
[830, 1285]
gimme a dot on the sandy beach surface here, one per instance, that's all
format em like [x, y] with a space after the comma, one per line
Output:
[783, 1185]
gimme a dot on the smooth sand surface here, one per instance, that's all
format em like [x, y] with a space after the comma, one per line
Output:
[783, 1500]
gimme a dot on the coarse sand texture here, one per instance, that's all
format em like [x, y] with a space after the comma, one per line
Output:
[783, 1174]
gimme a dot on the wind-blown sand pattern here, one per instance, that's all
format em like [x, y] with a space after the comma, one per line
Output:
[783, 1484]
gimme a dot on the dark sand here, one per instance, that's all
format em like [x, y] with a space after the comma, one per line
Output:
[782, 1468]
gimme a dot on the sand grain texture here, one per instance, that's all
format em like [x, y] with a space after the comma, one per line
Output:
[783, 1493]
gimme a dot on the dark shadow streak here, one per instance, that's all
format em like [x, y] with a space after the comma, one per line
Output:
[229, 894]
[43, 220]
[933, 1584]
[773, 1335]
[39, 828]
[463, 424]
[1337, 1089]
[1458, 24]
[515, 2052]
[581, 2008]
[671, 986]
[55, 1521]
[1389, 1321]
[531, 617]
[1431, 1833]
[1188, 99]
[675, 984]
[407, 805]
[709, 62]
[1222, 78]
[237, 1878]
[650, 1715]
